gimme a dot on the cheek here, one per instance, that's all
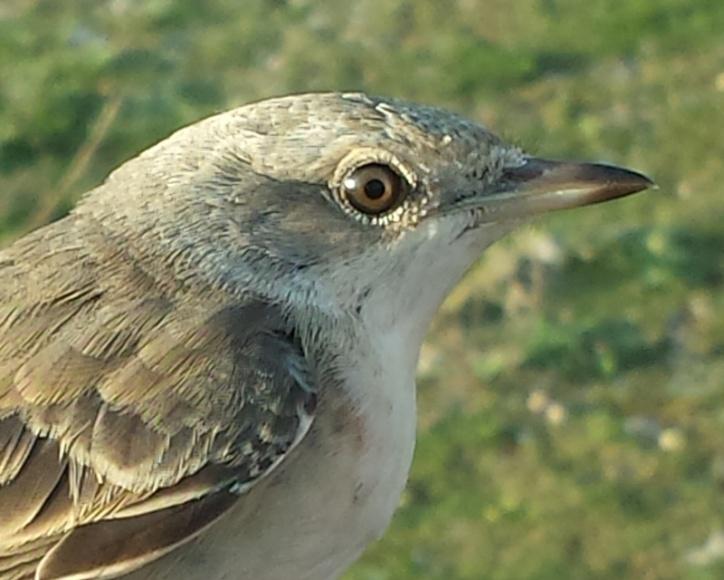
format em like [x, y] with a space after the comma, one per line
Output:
[426, 265]
[314, 234]
[431, 269]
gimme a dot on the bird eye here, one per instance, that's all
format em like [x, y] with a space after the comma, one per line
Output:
[374, 188]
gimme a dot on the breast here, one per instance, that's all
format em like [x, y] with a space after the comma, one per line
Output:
[375, 419]
[325, 503]
[352, 468]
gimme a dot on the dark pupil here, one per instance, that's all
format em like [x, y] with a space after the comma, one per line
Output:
[374, 189]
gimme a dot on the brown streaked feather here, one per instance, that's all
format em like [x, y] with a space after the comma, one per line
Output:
[20, 570]
[124, 405]
[24, 497]
[123, 442]
[188, 489]
[16, 443]
[23, 562]
[56, 374]
[114, 547]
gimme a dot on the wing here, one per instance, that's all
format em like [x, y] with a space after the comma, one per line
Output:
[130, 418]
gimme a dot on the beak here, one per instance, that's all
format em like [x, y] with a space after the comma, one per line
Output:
[540, 186]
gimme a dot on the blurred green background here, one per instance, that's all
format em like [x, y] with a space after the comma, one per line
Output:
[572, 389]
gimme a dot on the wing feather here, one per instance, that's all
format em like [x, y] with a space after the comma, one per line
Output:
[94, 550]
[131, 417]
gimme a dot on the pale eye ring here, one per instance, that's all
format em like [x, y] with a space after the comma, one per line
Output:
[374, 188]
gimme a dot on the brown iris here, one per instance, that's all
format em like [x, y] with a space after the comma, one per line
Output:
[374, 188]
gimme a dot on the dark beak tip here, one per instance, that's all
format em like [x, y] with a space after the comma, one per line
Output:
[540, 185]
[644, 180]
[648, 183]
[619, 182]
[597, 182]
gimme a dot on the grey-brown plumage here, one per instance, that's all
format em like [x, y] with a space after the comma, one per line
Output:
[207, 368]
[117, 391]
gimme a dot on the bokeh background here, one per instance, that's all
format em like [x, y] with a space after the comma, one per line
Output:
[572, 389]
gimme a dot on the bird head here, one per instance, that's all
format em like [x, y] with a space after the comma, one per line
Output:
[340, 203]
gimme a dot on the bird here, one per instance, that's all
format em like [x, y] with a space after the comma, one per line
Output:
[207, 368]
